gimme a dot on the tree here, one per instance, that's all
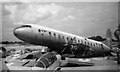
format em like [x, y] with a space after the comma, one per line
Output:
[97, 38]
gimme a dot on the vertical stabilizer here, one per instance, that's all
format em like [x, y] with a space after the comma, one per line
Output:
[108, 41]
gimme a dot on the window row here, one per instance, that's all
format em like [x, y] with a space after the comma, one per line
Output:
[68, 38]
[78, 41]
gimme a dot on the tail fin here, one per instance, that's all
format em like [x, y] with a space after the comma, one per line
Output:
[108, 41]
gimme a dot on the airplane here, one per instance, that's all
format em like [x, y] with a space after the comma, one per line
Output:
[65, 44]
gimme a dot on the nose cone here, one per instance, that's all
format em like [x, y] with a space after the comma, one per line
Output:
[24, 34]
[20, 32]
[15, 32]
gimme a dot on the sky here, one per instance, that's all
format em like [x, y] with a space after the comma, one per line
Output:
[80, 18]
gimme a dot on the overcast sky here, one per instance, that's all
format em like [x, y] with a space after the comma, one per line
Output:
[80, 18]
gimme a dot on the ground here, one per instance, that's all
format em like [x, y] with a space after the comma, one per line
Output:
[101, 63]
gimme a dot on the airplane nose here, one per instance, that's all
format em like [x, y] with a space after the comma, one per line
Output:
[16, 31]
[22, 33]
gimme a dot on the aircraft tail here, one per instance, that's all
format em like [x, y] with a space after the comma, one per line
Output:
[108, 41]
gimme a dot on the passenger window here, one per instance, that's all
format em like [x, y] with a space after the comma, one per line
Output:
[88, 43]
[45, 31]
[54, 34]
[63, 37]
[38, 30]
[67, 38]
[49, 33]
[58, 36]
[85, 42]
[91, 44]
[102, 46]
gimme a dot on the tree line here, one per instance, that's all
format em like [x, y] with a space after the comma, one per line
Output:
[14, 42]
[99, 38]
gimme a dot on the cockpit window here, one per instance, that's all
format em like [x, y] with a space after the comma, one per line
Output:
[26, 26]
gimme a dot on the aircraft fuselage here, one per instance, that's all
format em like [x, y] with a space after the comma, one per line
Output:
[55, 39]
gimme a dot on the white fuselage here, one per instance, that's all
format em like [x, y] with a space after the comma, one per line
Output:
[55, 39]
